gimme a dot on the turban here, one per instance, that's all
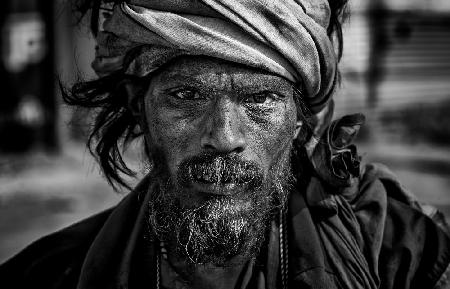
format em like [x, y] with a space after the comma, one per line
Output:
[285, 37]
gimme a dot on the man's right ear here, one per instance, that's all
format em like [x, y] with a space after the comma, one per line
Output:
[135, 100]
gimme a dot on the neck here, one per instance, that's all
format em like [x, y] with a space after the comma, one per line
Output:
[179, 269]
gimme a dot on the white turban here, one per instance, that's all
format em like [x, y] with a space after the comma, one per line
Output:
[285, 37]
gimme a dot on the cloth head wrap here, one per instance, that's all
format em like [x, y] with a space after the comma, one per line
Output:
[285, 37]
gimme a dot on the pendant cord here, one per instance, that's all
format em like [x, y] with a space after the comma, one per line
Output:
[158, 269]
[284, 250]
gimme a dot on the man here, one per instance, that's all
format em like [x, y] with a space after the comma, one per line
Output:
[250, 184]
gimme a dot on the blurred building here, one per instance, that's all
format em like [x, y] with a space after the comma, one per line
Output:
[396, 66]
[27, 107]
[41, 46]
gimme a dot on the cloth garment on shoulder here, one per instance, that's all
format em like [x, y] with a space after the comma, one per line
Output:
[375, 239]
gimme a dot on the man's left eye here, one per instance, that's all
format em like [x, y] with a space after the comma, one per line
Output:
[186, 94]
[262, 98]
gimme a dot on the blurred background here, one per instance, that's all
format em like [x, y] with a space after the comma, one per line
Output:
[395, 68]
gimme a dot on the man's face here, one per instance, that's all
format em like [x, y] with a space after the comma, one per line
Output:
[198, 106]
[220, 132]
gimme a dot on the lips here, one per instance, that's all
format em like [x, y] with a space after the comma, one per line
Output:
[219, 174]
[224, 175]
[227, 189]
[214, 182]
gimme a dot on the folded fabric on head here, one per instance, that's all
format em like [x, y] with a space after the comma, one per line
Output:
[285, 37]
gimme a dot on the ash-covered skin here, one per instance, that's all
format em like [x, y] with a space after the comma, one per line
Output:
[223, 134]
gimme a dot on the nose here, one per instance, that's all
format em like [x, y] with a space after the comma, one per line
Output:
[222, 128]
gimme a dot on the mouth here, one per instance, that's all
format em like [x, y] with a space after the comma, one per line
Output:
[218, 175]
[224, 189]
[211, 182]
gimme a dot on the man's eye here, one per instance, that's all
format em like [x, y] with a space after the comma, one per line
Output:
[261, 98]
[186, 94]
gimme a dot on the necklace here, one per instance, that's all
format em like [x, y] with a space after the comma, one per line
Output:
[284, 264]
[158, 271]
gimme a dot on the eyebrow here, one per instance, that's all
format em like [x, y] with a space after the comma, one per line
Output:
[181, 78]
[261, 83]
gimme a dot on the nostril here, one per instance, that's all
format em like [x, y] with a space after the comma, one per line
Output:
[219, 142]
[238, 149]
[208, 147]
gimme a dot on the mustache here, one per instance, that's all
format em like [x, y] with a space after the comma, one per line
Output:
[219, 169]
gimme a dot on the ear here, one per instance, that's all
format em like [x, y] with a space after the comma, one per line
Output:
[135, 100]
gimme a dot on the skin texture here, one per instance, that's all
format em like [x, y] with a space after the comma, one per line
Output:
[199, 105]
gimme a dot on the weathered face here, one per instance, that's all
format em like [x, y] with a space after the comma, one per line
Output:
[222, 135]
[200, 106]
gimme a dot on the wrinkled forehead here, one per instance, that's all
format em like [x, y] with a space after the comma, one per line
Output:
[216, 73]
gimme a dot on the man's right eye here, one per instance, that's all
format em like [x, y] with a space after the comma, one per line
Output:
[186, 94]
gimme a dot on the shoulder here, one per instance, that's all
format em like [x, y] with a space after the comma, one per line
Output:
[415, 249]
[53, 261]
[406, 243]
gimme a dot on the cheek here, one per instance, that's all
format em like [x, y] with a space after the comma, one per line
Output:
[273, 134]
[171, 133]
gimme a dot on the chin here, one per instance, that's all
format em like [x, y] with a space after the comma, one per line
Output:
[215, 230]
